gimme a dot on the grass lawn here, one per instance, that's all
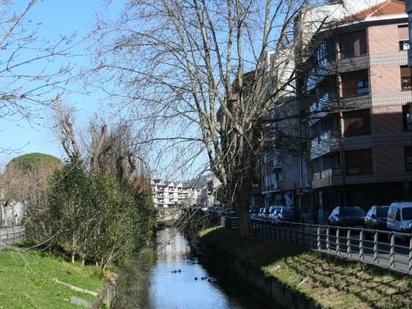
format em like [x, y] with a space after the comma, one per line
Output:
[27, 280]
[331, 282]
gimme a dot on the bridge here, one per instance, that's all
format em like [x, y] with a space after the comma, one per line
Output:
[168, 215]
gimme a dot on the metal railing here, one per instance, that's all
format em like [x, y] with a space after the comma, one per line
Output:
[386, 249]
[10, 235]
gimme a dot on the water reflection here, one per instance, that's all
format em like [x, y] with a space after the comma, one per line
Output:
[175, 280]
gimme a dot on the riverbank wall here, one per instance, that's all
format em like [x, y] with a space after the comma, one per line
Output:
[285, 275]
[269, 290]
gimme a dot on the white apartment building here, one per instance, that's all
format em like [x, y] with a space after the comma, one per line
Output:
[168, 193]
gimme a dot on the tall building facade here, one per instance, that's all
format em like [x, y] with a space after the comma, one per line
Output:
[170, 194]
[358, 94]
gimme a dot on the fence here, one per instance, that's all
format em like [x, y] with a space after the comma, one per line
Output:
[10, 235]
[387, 249]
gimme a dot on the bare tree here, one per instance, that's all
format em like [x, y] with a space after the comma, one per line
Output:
[29, 78]
[108, 149]
[204, 73]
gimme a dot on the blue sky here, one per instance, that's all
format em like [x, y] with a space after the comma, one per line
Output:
[57, 18]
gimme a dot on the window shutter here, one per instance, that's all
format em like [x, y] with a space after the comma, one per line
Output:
[403, 33]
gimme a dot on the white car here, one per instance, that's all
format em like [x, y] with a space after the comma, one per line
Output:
[400, 217]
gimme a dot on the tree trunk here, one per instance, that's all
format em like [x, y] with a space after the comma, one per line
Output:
[73, 249]
[242, 207]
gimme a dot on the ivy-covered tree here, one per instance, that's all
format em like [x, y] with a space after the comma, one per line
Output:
[94, 217]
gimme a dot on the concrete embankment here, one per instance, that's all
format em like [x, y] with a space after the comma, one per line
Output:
[285, 275]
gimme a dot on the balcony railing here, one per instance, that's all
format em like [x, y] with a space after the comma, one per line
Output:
[323, 144]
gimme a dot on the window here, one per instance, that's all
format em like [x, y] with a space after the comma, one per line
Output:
[359, 162]
[353, 44]
[406, 81]
[407, 117]
[403, 37]
[355, 84]
[348, 48]
[398, 215]
[403, 45]
[408, 158]
[407, 213]
[362, 87]
[357, 122]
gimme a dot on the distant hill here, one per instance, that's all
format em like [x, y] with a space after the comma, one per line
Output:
[33, 161]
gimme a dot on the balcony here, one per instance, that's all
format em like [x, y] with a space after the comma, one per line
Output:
[328, 104]
[274, 187]
[352, 103]
[327, 142]
[327, 177]
[321, 107]
[348, 64]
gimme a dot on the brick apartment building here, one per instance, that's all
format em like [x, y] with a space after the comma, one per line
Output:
[359, 94]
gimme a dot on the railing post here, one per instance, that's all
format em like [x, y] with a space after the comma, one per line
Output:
[277, 233]
[375, 247]
[348, 245]
[410, 255]
[310, 235]
[272, 232]
[337, 243]
[361, 244]
[318, 238]
[392, 252]
[327, 238]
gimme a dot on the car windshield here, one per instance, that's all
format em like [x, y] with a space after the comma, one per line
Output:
[407, 213]
[287, 210]
[351, 211]
[382, 211]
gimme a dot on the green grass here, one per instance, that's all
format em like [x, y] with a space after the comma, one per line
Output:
[27, 280]
[331, 282]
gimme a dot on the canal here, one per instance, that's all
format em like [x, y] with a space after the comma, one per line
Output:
[171, 277]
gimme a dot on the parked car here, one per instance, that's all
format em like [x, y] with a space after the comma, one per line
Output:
[376, 217]
[347, 216]
[287, 214]
[274, 212]
[253, 212]
[400, 217]
[262, 213]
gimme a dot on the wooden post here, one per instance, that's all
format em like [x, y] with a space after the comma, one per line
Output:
[318, 238]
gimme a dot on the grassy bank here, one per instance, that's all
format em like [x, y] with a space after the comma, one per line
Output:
[27, 280]
[331, 282]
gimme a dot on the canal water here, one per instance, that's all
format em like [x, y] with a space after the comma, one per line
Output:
[171, 277]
